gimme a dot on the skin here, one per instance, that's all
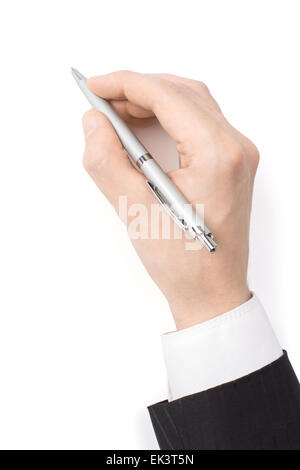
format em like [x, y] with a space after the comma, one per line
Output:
[217, 169]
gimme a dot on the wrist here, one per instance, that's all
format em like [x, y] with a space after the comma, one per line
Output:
[189, 310]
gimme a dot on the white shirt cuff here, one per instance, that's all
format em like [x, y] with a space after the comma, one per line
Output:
[220, 350]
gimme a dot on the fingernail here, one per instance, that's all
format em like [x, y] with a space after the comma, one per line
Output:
[89, 124]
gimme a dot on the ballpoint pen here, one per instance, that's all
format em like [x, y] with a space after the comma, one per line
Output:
[169, 196]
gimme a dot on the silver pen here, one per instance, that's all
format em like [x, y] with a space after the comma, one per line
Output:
[169, 196]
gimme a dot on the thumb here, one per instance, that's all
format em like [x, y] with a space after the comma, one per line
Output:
[107, 162]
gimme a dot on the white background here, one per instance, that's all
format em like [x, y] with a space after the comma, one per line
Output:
[80, 324]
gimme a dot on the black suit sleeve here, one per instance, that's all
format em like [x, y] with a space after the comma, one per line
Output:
[258, 411]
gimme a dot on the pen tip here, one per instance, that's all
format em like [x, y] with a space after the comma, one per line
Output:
[77, 75]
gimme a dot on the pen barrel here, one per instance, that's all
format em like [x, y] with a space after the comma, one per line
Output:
[130, 142]
[172, 195]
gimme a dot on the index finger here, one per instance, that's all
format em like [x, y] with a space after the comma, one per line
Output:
[173, 104]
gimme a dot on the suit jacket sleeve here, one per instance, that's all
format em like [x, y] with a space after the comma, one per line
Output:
[258, 411]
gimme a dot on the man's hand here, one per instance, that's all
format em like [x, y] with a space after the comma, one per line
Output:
[217, 169]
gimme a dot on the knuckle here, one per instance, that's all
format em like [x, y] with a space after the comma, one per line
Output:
[93, 163]
[233, 156]
[122, 74]
[86, 162]
[93, 158]
[89, 162]
[254, 155]
[236, 158]
[239, 157]
[237, 166]
[203, 87]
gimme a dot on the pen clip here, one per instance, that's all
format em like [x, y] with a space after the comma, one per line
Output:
[180, 222]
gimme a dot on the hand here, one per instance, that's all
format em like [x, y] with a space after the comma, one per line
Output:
[217, 169]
